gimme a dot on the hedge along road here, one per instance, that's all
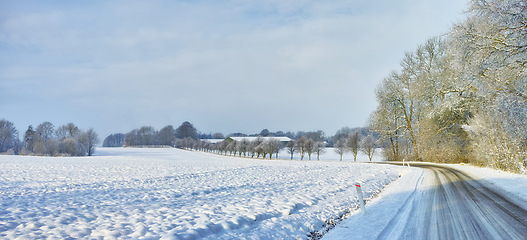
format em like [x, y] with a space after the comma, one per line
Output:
[448, 204]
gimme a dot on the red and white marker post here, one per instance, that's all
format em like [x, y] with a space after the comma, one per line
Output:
[361, 198]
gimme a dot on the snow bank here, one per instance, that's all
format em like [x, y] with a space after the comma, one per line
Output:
[175, 194]
[506, 182]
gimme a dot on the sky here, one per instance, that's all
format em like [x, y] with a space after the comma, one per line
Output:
[225, 66]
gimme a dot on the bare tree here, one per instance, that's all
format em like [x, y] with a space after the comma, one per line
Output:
[320, 147]
[261, 150]
[8, 137]
[45, 130]
[167, 136]
[243, 146]
[340, 147]
[67, 131]
[44, 143]
[316, 136]
[255, 148]
[342, 133]
[301, 146]
[70, 146]
[186, 130]
[353, 144]
[367, 146]
[291, 148]
[310, 147]
[232, 148]
[29, 139]
[273, 147]
[87, 141]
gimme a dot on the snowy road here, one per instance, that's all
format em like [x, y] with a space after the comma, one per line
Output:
[443, 203]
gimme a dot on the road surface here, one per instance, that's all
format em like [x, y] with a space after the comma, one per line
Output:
[443, 203]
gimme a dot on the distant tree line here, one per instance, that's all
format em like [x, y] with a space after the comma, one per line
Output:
[66, 140]
[306, 144]
[148, 136]
[114, 140]
[462, 97]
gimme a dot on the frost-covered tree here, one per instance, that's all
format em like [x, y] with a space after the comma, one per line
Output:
[147, 135]
[300, 145]
[316, 136]
[167, 136]
[490, 50]
[352, 143]
[71, 147]
[273, 146]
[367, 146]
[341, 147]
[309, 147]
[342, 133]
[131, 139]
[232, 148]
[87, 141]
[45, 130]
[67, 131]
[406, 98]
[255, 148]
[44, 143]
[67, 140]
[243, 146]
[291, 149]
[8, 137]
[319, 148]
[29, 139]
[260, 150]
[462, 97]
[143, 136]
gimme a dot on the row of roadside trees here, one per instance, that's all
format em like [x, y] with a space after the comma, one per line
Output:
[261, 147]
[266, 147]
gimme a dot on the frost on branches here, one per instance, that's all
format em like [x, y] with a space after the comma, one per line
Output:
[462, 97]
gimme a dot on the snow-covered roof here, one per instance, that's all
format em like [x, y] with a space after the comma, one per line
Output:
[212, 140]
[250, 139]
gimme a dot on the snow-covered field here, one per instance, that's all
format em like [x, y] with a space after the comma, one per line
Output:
[129, 193]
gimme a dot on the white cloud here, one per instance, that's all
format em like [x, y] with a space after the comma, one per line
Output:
[306, 62]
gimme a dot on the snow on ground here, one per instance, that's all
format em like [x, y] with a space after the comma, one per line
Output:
[508, 183]
[380, 211]
[134, 193]
[390, 203]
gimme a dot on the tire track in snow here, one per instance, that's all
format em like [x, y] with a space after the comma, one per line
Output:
[451, 205]
[406, 209]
